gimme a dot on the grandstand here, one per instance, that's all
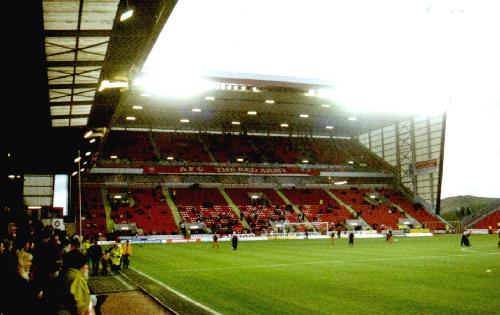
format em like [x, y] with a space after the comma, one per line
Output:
[251, 154]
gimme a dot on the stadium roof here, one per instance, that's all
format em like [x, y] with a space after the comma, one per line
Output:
[61, 52]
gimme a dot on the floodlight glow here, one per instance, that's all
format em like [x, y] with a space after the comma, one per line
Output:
[138, 107]
[329, 127]
[325, 105]
[196, 110]
[106, 84]
[252, 112]
[131, 118]
[235, 122]
[87, 134]
[88, 153]
[170, 158]
[311, 92]
[239, 159]
[174, 82]
[304, 115]
[284, 125]
[184, 120]
[418, 72]
[34, 207]
[117, 196]
[78, 159]
[74, 173]
[352, 118]
[11, 176]
[270, 101]
[113, 157]
[305, 161]
[209, 98]
[92, 140]
[126, 15]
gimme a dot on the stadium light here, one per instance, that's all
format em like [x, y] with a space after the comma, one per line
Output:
[78, 160]
[127, 13]
[106, 84]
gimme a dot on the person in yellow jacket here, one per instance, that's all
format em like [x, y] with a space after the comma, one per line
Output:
[126, 253]
[77, 297]
[116, 256]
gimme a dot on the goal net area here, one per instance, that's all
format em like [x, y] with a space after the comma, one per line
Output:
[310, 227]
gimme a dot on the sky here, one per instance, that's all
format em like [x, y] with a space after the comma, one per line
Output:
[417, 56]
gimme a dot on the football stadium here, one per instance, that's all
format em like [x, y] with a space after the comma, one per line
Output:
[230, 157]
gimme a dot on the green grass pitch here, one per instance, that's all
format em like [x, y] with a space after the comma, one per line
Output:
[421, 275]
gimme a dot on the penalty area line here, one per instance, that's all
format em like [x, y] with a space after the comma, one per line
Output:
[185, 297]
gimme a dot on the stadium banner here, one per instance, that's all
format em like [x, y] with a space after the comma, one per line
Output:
[230, 170]
[56, 223]
[479, 231]
[197, 238]
[339, 171]
[116, 170]
[418, 234]
[419, 231]
[149, 237]
[426, 167]
[356, 174]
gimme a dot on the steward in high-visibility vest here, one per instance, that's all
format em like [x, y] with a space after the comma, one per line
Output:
[126, 253]
[116, 256]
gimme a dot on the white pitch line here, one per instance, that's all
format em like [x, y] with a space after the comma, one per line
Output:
[330, 261]
[129, 287]
[468, 250]
[185, 297]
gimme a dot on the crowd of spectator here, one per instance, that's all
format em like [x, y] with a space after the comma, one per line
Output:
[43, 269]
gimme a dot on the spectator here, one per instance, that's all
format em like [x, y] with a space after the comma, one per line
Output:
[234, 241]
[22, 286]
[106, 257]
[116, 257]
[465, 239]
[215, 241]
[126, 253]
[351, 238]
[75, 290]
[389, 236]
[95, 254]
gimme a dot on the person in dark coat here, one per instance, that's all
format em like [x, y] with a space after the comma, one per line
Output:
[389, 236]
[351, 239]
[95, 254]
[465, 239]
[215, 241]
[234, 241]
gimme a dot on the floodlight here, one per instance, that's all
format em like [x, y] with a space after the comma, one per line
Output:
[106, 84]
[126, 15]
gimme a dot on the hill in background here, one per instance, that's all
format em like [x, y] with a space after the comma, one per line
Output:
[450, 207]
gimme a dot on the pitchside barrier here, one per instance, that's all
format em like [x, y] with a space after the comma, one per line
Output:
[198, 238]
